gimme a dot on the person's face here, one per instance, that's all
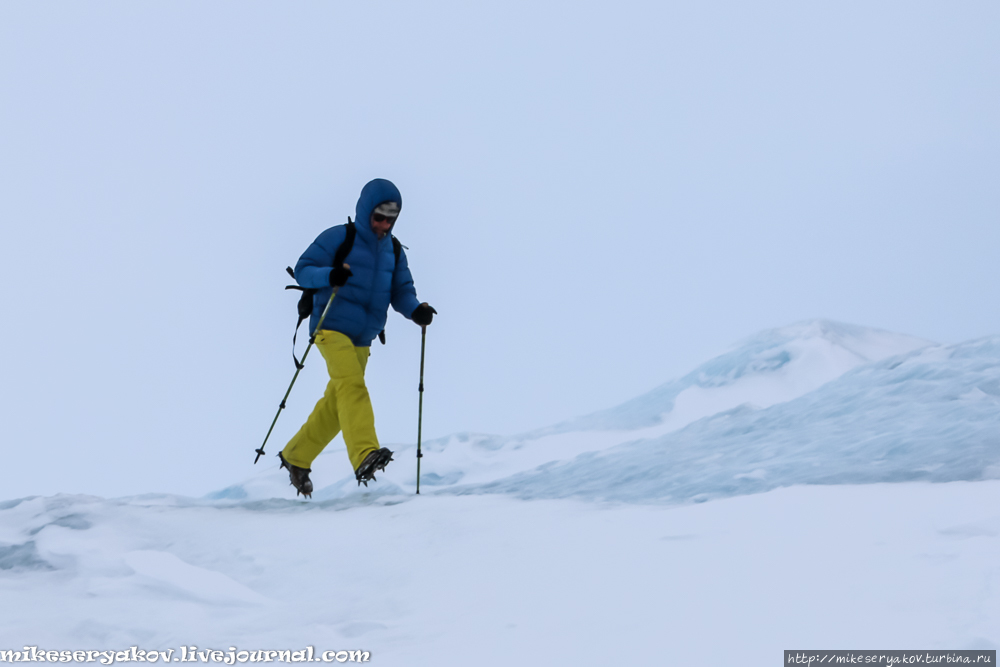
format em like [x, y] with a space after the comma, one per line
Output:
[381, 224]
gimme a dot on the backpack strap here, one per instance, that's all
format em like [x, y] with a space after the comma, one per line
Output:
[397, 249]
[305, 305]
[345, 248]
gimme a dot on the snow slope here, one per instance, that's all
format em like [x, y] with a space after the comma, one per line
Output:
[932, 414]
[770, 367]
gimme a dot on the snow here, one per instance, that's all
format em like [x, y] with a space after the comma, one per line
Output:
[819, 485]
[161, 568]
[930, 415]
[771, 367]
[493, 580]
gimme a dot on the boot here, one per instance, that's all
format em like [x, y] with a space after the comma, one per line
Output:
[299, 476]
[376, 460]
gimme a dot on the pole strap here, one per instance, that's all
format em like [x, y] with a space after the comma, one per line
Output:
[312, 339]
[298, 369]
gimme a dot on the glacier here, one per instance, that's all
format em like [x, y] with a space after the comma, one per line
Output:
[929, 415]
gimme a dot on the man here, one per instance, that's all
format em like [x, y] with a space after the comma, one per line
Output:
[370, 278]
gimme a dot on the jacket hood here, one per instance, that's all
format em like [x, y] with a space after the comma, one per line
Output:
[374, 193]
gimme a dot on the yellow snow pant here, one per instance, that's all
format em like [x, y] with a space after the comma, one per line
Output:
[345, 406]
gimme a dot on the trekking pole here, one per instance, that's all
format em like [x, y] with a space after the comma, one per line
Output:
[420, 410]
[298, 368]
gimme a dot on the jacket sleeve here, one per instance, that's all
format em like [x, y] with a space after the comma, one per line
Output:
[404, 294]
[314, 266]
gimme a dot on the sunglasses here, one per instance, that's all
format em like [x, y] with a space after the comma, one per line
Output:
[378, 217]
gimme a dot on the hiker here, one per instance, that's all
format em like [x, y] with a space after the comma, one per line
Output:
[367, 267]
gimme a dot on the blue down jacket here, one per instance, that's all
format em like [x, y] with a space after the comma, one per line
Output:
[360, 307]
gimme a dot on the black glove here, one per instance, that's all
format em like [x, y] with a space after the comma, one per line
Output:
[339, 276]
[423, 314]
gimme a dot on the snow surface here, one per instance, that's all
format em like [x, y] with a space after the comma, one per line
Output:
[493, 580]
[585, 543]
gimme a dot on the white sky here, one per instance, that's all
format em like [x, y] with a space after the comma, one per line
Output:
[596, 199]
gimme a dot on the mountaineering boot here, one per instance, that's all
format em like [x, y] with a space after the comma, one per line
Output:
[375, 460]
[299, 476]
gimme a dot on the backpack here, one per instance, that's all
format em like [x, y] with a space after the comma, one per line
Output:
[305, 305]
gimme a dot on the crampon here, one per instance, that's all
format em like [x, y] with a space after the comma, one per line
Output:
[375, 461]
[299, 477]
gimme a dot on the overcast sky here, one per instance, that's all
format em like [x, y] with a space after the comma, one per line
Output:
[597, 198]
